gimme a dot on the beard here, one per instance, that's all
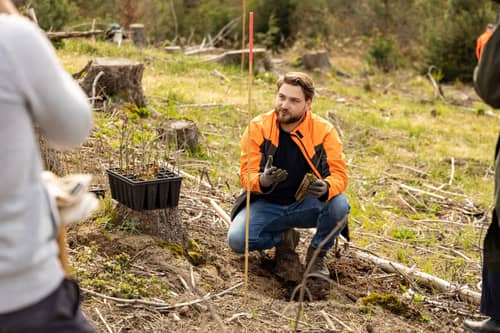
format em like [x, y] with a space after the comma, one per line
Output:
[284, 116]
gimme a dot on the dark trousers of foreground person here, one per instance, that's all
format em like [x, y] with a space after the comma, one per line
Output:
[57, 313]
[490, 291]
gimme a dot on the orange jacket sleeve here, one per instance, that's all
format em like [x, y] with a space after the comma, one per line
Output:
[255, 159]
[336, 164]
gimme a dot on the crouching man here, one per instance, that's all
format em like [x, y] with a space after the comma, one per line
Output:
[286, 144]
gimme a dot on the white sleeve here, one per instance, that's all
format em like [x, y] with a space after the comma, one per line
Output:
[58, 105]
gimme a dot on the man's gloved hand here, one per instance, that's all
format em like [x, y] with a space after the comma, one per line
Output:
[272, 174]
[317, 189]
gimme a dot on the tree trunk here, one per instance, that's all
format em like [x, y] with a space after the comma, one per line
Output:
[314, 60]
[137, 34]
[181, 131]
[121, 78]
[163, 223]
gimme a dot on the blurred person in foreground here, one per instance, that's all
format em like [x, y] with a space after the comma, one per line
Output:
[487, 85]
[286, 144]
[35, 296]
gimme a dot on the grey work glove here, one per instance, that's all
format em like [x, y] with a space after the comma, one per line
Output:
[272, 174]
[317, 189]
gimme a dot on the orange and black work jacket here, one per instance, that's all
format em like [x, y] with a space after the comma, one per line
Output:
[316, 138]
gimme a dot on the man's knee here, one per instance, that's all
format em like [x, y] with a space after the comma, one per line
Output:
[236, 240]
[339, 207]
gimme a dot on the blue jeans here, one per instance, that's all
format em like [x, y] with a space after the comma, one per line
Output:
[268, 221]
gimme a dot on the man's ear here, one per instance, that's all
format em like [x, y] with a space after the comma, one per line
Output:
[308, 104]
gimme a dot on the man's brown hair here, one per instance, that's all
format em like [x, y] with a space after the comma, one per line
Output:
[300, 79]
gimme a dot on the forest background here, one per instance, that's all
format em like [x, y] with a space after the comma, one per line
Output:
[392, 33]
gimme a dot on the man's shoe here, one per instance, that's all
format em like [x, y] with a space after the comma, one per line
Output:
[319, 265]
[289, 241]
[485, 326]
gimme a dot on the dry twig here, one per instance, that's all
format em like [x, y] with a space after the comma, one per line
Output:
[104, 321]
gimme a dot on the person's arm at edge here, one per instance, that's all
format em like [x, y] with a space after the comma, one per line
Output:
[58, 104]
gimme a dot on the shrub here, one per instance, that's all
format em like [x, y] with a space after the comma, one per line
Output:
[383, 52]
[451, 43]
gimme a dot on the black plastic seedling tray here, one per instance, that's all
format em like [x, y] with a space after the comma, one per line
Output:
[158, 193]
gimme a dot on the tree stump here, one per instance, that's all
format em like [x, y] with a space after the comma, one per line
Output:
[262, 60]
[163, 223]
[181, 131]
[137, 34]
[314, 60]
[121, 78]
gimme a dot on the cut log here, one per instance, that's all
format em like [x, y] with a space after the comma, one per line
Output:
[73, 34]
[137, 34]
[181, 131]
[121, 78]
[317, 59]
[163, 223]
[203, 51]
[173, 49]
[262, 60]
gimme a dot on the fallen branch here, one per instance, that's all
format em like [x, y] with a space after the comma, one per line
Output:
[160, 306]
[438, 91]
[189, 176]
[84, 70]
[411, 169]
[407, 204]
[422, 278]
[203, 299]
[340, 322]
[225, 218]
[419, 191]
[94, 85]
[288, 318]
[449, 308]
[32, 15]
[328, 320]
[220, 75]
[104, 321]
[237, 316]
[452, 171]
[427, 221]
[333, 116]
[207, 105]
[432, 187]
[416, 247]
